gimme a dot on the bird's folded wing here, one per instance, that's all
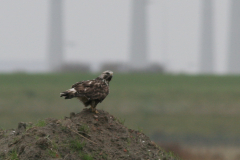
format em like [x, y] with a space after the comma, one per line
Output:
[76, 84]
[93, 89]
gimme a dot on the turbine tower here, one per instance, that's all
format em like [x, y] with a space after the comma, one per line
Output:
[206, 52]
[234, 47]
[55, 49]
[138, 48]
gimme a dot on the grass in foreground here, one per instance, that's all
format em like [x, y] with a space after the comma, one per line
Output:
[203, 105]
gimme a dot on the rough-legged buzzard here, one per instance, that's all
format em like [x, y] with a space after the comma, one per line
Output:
[90, 92]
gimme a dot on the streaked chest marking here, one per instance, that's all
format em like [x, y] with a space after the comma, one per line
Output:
[105, 82]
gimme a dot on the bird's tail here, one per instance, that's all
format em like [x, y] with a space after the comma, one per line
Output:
[68, 94]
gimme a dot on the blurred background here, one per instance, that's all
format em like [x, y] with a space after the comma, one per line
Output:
[176, 67]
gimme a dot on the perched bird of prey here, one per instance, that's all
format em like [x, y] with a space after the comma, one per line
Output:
[90, 92]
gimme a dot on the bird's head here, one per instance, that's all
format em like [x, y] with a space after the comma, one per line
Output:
[107, 75]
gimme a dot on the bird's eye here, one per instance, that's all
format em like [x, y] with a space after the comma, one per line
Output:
[107, 73]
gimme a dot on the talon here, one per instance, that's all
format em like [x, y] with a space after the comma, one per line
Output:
[94, 110]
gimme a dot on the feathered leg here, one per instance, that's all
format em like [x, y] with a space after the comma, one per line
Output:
[93, 106]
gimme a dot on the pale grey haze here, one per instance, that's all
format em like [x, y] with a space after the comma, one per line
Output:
[206, 48]
[55, 36]
[96, 32]
[234, 48]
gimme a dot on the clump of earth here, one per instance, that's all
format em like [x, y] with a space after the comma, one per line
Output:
[81, 136]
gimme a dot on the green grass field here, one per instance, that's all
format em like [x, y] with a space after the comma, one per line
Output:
[171, 104]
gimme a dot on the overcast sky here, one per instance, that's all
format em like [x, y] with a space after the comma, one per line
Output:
[99, 31]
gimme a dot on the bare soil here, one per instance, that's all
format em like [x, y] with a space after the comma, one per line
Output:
[81, 136]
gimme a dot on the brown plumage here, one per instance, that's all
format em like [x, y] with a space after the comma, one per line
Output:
[90, 92]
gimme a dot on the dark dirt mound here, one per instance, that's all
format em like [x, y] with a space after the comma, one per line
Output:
[84, 136]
